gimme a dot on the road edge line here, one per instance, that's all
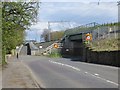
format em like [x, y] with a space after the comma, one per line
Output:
[33, 76]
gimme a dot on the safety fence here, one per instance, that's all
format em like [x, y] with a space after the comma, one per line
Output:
[82, 28]
[103, 32]
[96, 30]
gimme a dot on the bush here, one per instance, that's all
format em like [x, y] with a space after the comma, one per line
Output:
[3, 56]
[55, 55]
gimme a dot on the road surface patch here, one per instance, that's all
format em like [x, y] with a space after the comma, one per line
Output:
[104, 79]
[34, 78]
[77, 69]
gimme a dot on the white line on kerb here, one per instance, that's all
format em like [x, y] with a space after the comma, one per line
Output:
[77, 69]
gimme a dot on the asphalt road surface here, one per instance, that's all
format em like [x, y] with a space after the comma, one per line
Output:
[67, 73]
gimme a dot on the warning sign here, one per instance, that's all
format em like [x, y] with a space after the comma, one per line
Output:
[88, 37]
[55, 45]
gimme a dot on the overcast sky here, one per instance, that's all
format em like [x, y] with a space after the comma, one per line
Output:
[75, 12]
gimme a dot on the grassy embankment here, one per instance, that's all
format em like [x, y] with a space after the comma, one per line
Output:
[104, 45]
[107, 44]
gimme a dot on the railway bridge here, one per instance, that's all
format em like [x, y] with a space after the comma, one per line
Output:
[73, 40]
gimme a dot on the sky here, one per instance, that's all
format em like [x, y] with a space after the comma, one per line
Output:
[65, 14]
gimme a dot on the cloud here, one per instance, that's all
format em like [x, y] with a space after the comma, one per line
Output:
[39, 25]
[36, 30]
[54, 26]
[76, 12]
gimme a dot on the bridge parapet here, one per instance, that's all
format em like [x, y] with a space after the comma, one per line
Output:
[96, 30]
[81, 29]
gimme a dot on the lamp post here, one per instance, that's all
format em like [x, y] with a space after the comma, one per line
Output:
[49, 36]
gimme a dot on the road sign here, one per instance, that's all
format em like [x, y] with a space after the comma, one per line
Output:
[88, 37]
[55, 45]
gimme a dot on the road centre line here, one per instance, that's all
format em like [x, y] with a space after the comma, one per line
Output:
[86, 72]
[96, 74]
[66, 65]
[104, 79]
[77, 69]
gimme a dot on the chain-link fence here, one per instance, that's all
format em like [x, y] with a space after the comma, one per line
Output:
[81, 29]
[96, 30]
[107, 31]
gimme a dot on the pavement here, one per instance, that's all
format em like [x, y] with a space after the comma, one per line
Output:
[67, 73]
[16, 75]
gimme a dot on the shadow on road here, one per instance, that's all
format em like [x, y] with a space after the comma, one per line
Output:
[74, 58]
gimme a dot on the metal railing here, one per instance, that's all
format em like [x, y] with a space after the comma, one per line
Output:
[103, 32]
[50, 48]
[98, 31]
[90, 26]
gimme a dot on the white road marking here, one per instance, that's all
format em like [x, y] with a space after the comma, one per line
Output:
[96, 74]
[77, 69]
[112, 82]
[86, 72]
[103, 79]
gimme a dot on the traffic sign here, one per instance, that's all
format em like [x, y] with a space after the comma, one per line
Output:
[40, 46]
[55, 45]
[88, 37]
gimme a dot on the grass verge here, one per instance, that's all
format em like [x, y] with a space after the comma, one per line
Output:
[55, 55]
[104, 45]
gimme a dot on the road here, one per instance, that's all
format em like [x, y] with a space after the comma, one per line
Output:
[66, 73]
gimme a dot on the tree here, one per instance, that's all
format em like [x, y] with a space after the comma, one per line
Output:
[16, 18]
[55, 35]
[45, 34]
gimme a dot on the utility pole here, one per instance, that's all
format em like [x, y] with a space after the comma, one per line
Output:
[118, 10]
[49, 31]
[98, 2]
